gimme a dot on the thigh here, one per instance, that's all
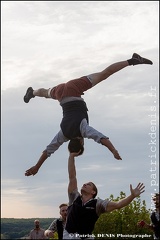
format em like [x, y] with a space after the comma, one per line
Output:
[95, 78]
[72, 88]
[77, 87]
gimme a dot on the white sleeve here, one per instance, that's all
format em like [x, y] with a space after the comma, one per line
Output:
[101, 206]
[90, 132]
[53, 226]
[57, 141]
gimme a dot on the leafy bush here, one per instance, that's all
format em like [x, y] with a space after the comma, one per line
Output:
[123, 221]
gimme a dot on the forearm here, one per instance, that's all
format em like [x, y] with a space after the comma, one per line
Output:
[106, 142]
[72, 173]
[33, 170]
[71, 167]
[125, 201]
[41, 160]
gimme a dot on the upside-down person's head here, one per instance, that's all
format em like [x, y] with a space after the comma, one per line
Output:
[76, 145]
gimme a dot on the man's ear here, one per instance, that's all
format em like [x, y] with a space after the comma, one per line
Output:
[93, 192]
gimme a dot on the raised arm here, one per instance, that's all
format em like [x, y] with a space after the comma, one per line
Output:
[72, 172]
[124, 202]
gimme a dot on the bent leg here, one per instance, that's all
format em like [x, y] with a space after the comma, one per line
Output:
[113, 68]
[42, 92]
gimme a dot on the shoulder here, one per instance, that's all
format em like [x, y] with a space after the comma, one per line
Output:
[53, 225]
[58, 220]
[73, 195]
[103, 201]
[32, 231]
[54, 221]
[101, 205]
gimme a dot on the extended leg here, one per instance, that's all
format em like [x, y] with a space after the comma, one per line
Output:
[100, 76]
[95, 77]
[41, 92]
[115, 67]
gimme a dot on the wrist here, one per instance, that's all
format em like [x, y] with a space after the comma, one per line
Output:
[37, 166]
[114, 150]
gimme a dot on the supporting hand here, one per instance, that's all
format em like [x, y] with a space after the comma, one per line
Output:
[74, 154]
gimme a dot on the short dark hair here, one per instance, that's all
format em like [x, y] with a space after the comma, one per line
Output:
[75, 145]
[63, 205]
[155, 196]
[95, 189]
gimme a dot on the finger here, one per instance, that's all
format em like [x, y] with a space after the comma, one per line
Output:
[131, 187]
[138, 185]
[141, 186]
[118, 157]
[28, 173]
[142, 191]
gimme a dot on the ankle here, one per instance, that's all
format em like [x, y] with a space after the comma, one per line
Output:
[130, 61]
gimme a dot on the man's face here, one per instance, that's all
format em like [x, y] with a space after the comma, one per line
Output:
[36, 223]
[88, 188]
[157, 201]
[63, 212]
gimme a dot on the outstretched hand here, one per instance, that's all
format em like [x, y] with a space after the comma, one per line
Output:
[31, 171]
[138, 190]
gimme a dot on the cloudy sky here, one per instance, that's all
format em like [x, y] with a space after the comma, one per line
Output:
[45, 43]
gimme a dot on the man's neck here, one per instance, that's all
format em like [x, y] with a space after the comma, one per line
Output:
[86, 198]
[63, 219]
[37, 229]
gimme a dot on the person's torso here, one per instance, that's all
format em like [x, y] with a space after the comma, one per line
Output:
[37, 234]
[156, 222]
[73, 113]
[81, 218]
[60, 228]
